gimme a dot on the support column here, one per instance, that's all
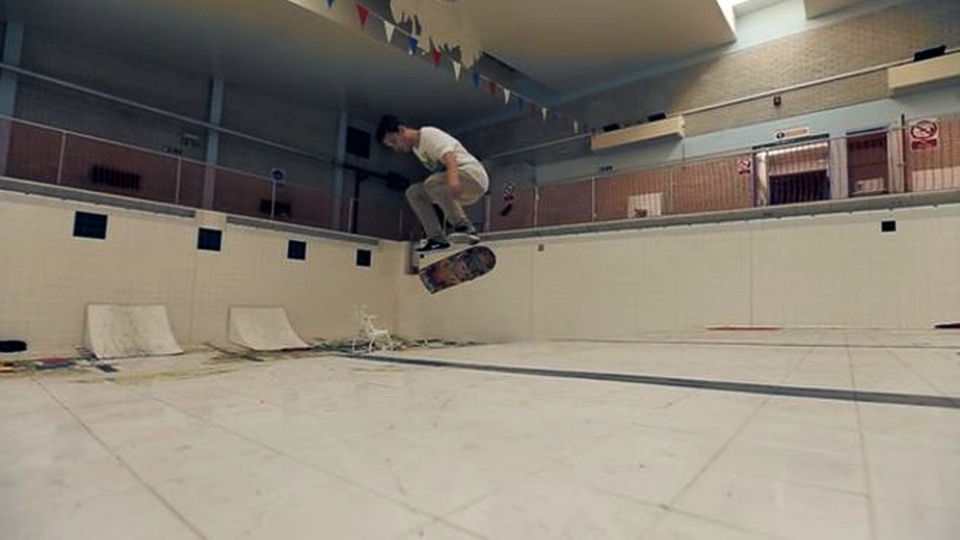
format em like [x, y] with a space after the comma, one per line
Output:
[12, 51]
[215, 111]
[338, 171]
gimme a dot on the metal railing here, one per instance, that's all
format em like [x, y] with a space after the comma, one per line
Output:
[38, 153]
[922, 156]
[879, 163]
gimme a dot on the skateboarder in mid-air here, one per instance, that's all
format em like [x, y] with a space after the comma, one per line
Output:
[457, 180]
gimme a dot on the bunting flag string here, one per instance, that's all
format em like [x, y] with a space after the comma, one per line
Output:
[436, 56]
[388, 29]
[363, 13]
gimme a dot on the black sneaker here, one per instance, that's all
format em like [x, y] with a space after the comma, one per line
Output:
[464, 234]
[432, 244]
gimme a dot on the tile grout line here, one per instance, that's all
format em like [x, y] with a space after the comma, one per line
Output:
[539, 471]
[308, 464]
[440, 521]
[527, 477]
[863, 454]
[660, 506]
[435, 518]
[918, 374]
[669, 506]
[167, 504]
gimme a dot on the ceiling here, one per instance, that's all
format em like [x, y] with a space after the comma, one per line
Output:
[272, 45]
[572, 44]
[301, 50]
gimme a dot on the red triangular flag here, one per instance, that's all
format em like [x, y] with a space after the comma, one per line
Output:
[493, 88]
[363, 12]
[436, 57]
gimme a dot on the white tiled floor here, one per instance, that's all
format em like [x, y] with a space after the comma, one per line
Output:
[328, 447]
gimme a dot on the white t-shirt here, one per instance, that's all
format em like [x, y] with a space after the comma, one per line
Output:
[434, 143]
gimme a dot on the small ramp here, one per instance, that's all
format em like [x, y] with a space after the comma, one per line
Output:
[121, 331]
[263, 329]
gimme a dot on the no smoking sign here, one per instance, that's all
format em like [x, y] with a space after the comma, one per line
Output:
[924, 134]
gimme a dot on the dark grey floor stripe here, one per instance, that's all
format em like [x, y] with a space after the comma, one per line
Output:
[725, 386]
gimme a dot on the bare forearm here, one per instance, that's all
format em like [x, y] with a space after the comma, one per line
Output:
[453, 174]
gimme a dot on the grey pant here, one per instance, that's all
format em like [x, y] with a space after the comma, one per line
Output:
[434, 190]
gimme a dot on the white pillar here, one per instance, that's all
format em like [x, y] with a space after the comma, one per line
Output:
[12, 49]
[215, 113]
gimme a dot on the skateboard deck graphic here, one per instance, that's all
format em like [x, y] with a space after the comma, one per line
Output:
[457, 268]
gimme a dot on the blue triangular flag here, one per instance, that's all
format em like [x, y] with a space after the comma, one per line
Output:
[413, 45]
[476, 80]
[329, 3]
[520, 103]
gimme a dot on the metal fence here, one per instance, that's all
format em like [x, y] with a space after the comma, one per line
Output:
[53, 156]
[921, 156]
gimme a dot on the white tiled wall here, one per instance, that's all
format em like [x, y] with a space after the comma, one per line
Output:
[495, 308]
[47, 276]
[830, 270]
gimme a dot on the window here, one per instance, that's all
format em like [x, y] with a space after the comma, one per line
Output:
[793, 174]
[358, 143]
[297, 250]
[364, 257]
[87, 225]
[209, 239]
[867, 169]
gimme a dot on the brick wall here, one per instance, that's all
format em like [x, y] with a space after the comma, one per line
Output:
[710, 186]
[34, 153]
[565, 203]
[872, 39]
[156, 174]
[713, 184]
[613, 193]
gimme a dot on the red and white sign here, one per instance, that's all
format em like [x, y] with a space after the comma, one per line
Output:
[924, 134]
[744, 165]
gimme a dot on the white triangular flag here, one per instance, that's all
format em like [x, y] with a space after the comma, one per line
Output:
[543, 112]
[506, 95]
[456, 69]
[389, 28]
[576, 126]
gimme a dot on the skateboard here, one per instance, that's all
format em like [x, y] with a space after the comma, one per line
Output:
[457, 268]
